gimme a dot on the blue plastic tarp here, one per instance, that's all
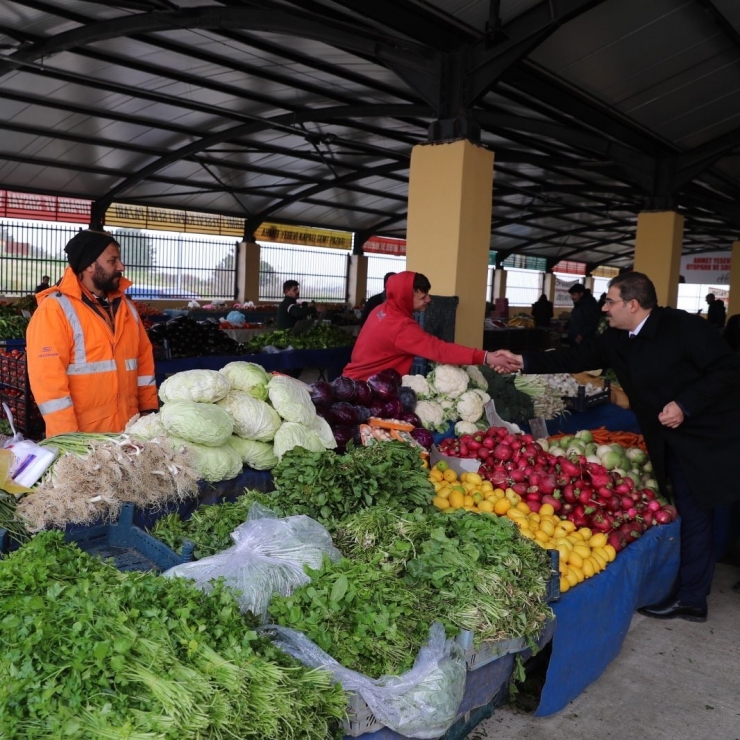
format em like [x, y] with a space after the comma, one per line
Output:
[594, 617]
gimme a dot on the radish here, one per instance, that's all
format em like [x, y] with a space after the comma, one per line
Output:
[616, 540]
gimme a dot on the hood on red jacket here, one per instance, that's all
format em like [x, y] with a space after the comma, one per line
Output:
[399, 292]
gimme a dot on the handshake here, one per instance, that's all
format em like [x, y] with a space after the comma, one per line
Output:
[503, 361]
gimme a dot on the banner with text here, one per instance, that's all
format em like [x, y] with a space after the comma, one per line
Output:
[708, 267]
[384, 245]
[43, 207]
[303, 235]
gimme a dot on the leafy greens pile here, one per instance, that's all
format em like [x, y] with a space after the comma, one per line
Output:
[328, 486]
[87, 652]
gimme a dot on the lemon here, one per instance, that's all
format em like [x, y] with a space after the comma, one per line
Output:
[541, 536]
[568, 525]
[564, 585]
[449, 475]
[501, 506]
[572, 578]
[585, 533]
[456, 499]
[588, 568]
[575, 560]
[564, 554]
[583, 550]
[475, 479]
[477, 497]
[560, 531]
[499, 492]
[523, 507]
[526, 533]
[440, 503]
[547, 527]
[468, 501]
[534, 517]
[435, 474]
[486, 506]
[611, 553]
[486, 486]
[578, 573]
[546, 510]
[444, 492]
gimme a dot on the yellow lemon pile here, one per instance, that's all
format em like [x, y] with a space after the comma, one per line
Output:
[582, 553]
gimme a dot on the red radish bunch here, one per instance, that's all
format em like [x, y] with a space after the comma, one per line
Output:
[584, 492]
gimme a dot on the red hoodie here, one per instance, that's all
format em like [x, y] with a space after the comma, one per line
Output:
[391, 338]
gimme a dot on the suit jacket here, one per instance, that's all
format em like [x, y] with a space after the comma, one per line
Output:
[676, 357]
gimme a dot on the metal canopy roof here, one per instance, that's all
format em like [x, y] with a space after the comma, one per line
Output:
[305, 112]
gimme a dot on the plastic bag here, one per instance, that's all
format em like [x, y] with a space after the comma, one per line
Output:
[267, 558]
[421, 703]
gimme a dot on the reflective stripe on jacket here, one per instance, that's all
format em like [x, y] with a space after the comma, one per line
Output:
[84, 376]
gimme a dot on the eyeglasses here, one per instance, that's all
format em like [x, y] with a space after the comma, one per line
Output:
[611, 301]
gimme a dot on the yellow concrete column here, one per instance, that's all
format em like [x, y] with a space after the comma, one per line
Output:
[658, 244]
[499, 283]
[357, 279]
[548, 287]
[251, 281]
[449, 227]
[733, 305]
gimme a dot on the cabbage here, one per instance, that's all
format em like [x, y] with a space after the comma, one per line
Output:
[248, 377]
[291, 400]
[253, 419]
[145, 427]
[201, 423]
[213, 463]
[323, 430]
[200, 386]
[292, 434]
[258, 455]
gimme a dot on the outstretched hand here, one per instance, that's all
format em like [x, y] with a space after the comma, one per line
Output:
[503, 361]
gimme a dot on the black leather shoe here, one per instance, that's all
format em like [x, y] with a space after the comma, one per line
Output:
[674, 610]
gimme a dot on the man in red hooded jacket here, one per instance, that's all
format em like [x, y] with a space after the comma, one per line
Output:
[390, 338]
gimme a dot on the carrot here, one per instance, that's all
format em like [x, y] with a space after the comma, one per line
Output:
[604, 436]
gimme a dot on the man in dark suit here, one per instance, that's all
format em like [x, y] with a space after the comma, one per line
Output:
[375, 300]
[683, 383]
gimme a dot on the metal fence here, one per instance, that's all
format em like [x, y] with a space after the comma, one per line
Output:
[322, 273]
[377, 267]
[161, 265]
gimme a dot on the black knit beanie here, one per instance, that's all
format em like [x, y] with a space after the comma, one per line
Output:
[85, 247]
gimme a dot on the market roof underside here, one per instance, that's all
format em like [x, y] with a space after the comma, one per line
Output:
[306, 112]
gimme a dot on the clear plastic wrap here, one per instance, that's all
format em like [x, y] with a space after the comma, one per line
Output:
[421, 703]
[267, 558]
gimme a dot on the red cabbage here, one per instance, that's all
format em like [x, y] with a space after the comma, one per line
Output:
[343, 413]
[321, 393]
[423, 436]
[382, 388]
[410, 418]
[392, 376]
[363, 414]
[343, 435]
[376, 408]
[364, 394]
[392, 409]
[407, 397]
[344, 388]
[324, 413]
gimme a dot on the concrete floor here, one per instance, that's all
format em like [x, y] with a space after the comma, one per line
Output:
[673, 680]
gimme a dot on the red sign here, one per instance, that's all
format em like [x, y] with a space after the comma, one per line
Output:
[383, 245]
[43, 207]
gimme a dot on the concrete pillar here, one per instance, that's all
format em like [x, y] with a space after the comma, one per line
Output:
[548, 287]
[499, 283]
[357, 279]
[449, 227]
[249, 253]
[658, 245]
[733, 306]
[588, 282]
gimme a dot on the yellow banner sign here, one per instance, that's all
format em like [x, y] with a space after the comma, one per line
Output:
[303, 235]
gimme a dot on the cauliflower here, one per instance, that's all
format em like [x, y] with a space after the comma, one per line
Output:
[470, 406]
[476, 377]
[418, 384]
[449, 380]
[484, 396]
[431, 415]
[449, 408]
[465, 427]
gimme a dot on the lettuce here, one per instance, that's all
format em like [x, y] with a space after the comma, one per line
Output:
[201, 423]
[257, 455]
[248, 377]
[198, 386]
[292, 434]
[291, 400]
[214, 464]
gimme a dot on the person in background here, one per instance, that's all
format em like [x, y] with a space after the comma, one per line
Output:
[683, 383]
[90, 361]
[43, 285]
[542, 312]
[375, 300]
[391, 338]
[716, 313]
[290, 312]
[584, 318]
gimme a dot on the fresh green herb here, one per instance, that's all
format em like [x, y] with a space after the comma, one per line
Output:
[87, 652]
[321, 336]
[511, 403]
[9, 521]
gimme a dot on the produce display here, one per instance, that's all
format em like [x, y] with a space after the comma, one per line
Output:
[233, 417]
[321, 336]
[557, 491]
[347, 404]
[89, 652]
[185, 337]
[12, 324]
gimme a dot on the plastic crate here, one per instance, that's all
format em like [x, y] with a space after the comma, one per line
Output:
[582, 402]
[489, 650]
[15, 390]
[130, 548]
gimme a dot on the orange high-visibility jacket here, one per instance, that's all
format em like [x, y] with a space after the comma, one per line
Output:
[85, 377]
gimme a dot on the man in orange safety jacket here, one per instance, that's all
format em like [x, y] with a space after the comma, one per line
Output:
[90, 361]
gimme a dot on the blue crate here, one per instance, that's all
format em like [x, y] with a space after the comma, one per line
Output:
[129, 547]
